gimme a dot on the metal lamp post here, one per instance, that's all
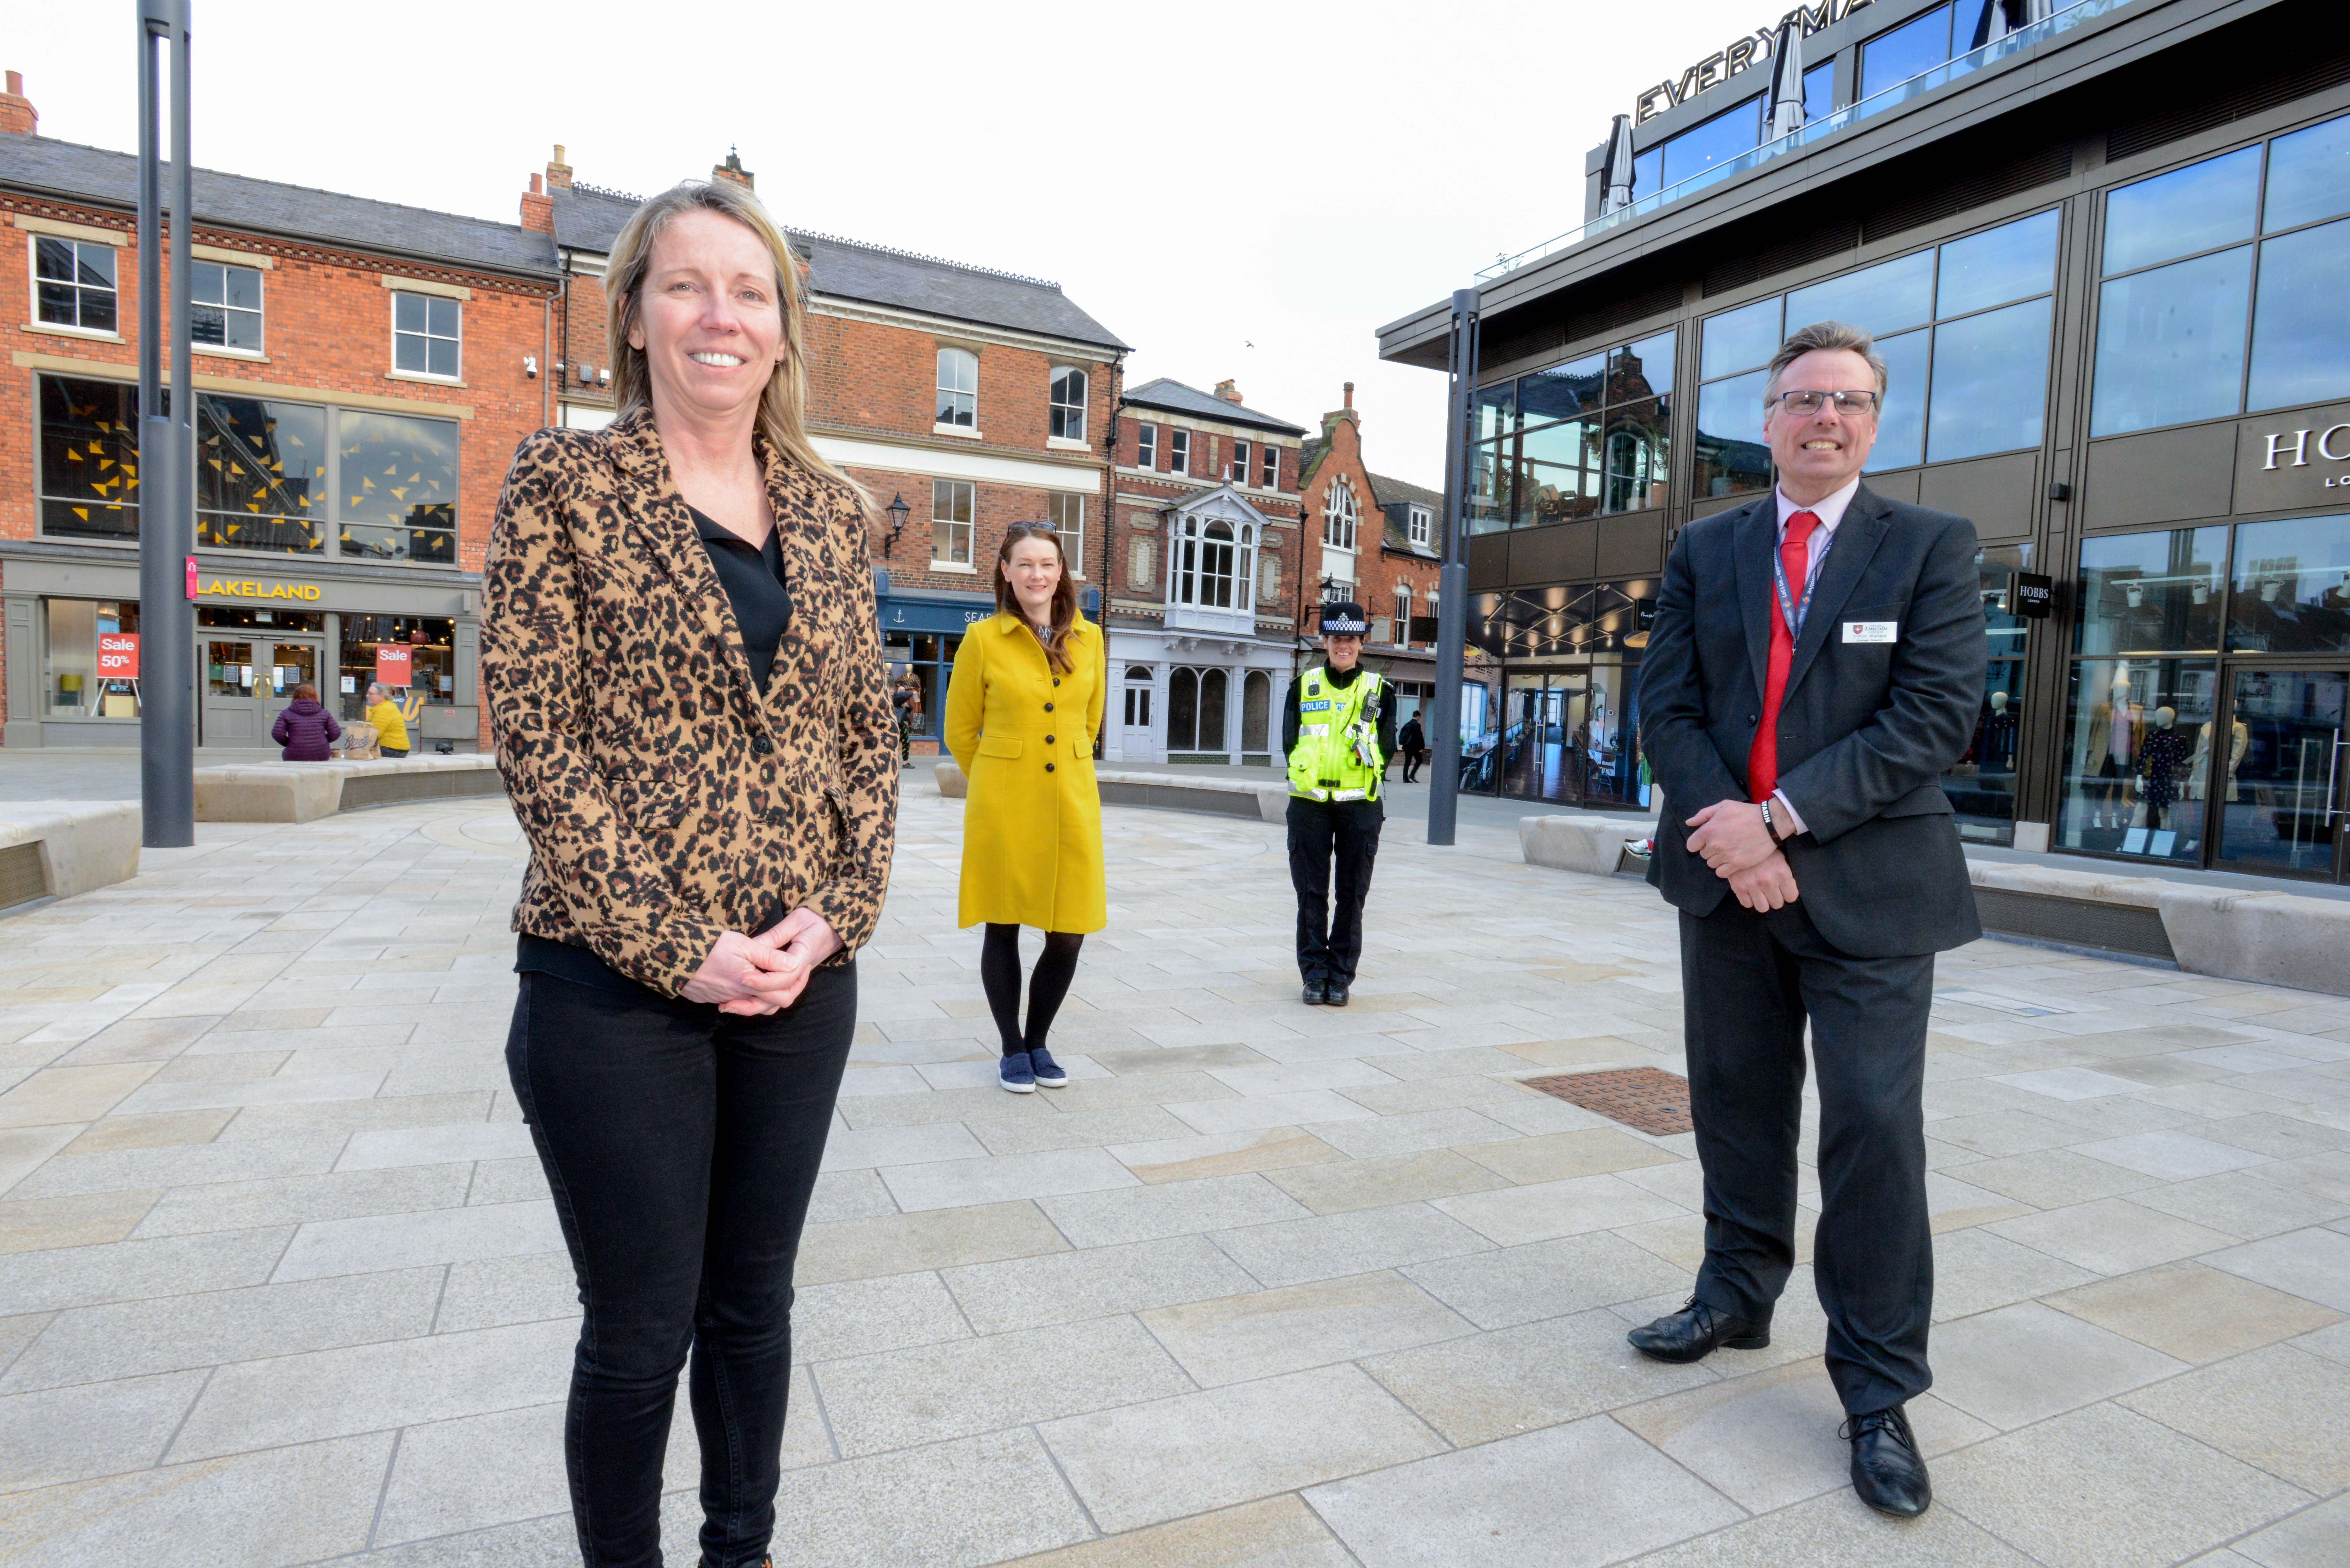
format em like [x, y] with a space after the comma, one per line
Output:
[166, 453]
[1453, 582]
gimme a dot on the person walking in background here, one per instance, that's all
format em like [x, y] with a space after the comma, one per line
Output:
[390, 728]
[1337, 731]
[684, 680]
[905, 702]
[305, 728]
[1815, 665]
[1412, 741]
[1022, 712]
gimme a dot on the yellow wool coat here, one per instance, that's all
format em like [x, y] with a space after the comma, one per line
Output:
[1031, 834]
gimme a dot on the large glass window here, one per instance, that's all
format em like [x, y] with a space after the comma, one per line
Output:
[2182, 332]
[399, 487]
[261, 476]
[1982, 785]
[224, 308]
[1196, 702]
[1566, 727]
[1712, 143]
[1578, 440]
[1819, 92]
[273, 476]
[1342, 516]
[1963, 330]
[2291, 586]
[84, 643]
[1211, 562]
[74, 281]
[431, 642]
[427, 335]
[1914, 46]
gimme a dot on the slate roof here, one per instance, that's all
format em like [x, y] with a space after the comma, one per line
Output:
[588, 218]
[93, 174]
[1176, 397]
[1396, 498]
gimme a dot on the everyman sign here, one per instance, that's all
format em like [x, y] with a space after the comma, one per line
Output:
[1749, 51]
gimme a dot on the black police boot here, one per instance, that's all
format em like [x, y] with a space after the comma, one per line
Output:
[1693, 1333]
[1317, 993]
[1335, 993]
[1888, 1470]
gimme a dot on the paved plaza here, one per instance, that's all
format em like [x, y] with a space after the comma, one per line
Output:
[1265, 1284]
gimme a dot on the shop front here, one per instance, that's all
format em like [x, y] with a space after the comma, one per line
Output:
[1552, 711]
[921, 632]
[73, 638]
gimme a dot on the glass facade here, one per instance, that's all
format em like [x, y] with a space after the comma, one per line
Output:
[1982, 784]
[73, 684]
[1963, 329]
[431, 642]
[280, 478]
[1582, 439]
[1559, 720]
[2227, 285]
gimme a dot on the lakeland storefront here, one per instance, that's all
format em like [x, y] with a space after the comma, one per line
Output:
[2106, 257]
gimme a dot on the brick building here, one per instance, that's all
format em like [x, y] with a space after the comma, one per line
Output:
[1203, 611]
[964, 399]
[1373, 539]
[363, 371]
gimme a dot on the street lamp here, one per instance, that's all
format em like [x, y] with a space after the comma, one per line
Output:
[167, 456]
[897, 509]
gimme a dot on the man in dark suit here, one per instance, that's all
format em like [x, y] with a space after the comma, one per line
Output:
[1815, 664]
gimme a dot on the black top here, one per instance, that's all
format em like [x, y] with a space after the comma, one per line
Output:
[1291, 716]
[762, 602]
[753, 577]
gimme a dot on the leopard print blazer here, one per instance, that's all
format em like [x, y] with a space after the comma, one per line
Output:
[665, 798]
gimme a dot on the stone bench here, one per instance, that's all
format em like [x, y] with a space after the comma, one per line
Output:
[304, 792]
[55, 849]
[1593, 845]
[1167, 791]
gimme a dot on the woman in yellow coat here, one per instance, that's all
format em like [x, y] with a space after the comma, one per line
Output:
[1021, 713]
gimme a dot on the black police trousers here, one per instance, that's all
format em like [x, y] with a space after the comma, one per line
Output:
[1330, 934]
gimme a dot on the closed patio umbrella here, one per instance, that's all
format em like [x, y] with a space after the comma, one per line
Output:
[1787, 82]
[1615, 174]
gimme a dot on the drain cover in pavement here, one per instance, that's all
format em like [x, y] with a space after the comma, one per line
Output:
[1646, 1100]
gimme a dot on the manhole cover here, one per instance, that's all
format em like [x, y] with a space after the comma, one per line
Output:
[1646, 1100]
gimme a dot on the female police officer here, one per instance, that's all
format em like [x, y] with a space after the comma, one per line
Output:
[1338, 731]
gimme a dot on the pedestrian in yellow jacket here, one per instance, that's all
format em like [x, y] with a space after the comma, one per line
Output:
[390, 728]
[1021, 713]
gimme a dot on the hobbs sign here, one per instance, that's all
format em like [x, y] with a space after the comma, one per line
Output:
[2292, 450]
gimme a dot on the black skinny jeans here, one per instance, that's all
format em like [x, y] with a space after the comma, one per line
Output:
[681, 1144]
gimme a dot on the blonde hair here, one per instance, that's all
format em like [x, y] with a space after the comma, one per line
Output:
[783, 407]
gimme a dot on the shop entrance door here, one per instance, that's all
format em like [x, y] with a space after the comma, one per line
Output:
[247, 679]
[2276, 784]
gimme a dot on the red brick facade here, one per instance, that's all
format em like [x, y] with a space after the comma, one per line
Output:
[1382, 557]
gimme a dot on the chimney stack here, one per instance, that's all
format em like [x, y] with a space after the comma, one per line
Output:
[558, 172]
[17, 116]
[1346, 414]
[1350, 394]
[537, 208]
[732, 170]
[1228, 391]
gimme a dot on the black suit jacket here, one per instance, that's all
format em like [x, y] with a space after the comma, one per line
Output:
[1865, 729]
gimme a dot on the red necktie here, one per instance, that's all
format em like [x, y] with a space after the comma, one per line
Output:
[1795, 561]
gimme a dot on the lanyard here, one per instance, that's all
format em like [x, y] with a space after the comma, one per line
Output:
[1790, 607]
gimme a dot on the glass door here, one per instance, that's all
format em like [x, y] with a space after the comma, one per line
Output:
[2275, 765]
[246, 683]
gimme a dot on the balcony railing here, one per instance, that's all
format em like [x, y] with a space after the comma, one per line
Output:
[1238, 622]
[1901, 92]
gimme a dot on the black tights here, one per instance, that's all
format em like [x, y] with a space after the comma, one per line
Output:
[999, 970]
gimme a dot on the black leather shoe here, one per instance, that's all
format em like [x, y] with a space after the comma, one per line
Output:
[1316, 994]
[1336, 995]
[1693, 1333]
[1887, 1472]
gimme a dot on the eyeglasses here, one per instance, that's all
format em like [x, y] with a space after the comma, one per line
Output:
[1802, 405]
[1017, 530]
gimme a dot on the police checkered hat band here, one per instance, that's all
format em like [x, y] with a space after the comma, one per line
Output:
[1344, 617]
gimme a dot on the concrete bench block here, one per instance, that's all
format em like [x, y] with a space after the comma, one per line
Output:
[2274, 939]
[952, 784]
[2048, 882]
[1591, 845]
[271, 791]
[84, 844]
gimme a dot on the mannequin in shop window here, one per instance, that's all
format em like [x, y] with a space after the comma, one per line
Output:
[1998, 745]
[2162, 757]
[2110, 757]
[2199, 766]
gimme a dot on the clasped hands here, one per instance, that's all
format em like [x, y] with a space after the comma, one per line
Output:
[755, 976]
[1730, 835]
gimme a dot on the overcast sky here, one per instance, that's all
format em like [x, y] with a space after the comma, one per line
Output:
[1242, 190]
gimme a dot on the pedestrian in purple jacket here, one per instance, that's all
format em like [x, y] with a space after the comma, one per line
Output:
[305, 729]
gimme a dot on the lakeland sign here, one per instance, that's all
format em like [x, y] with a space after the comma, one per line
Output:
[1743, 55]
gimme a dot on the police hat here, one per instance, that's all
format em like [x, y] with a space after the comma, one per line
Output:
[1344, 617]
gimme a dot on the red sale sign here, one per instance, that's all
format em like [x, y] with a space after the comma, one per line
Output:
[118, 656]
[393, 664]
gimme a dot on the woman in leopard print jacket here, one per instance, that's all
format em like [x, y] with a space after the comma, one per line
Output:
[685, 684]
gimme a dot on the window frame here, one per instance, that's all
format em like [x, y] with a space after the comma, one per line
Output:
[950, 490]
[427, 337]
[1073, 535]
[33, 281]
[1420, 525]
[1333, 515]
[260, 314]
[1070, 416]
[1188, 544]
[1146, 446]
[1237, 469]
[1179, 451]
[946, 397]
[1270, 465]
[1402, 613]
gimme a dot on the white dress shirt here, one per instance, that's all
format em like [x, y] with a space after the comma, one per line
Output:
[1829, 509]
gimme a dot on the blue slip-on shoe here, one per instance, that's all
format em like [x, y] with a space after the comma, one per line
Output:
[1015, 1075]
[1048, 1072]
